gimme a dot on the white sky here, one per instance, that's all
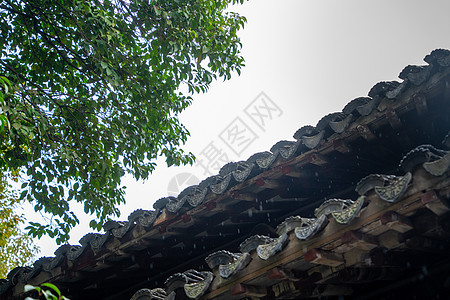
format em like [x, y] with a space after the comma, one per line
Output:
[310, 58]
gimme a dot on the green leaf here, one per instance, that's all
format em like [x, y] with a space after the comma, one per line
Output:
[53, 287]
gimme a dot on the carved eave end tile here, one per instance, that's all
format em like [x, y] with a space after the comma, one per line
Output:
[346, 215]
[290, 223]
[142, 217]
[416, 74]
[351, 107]
[122, 230]
[175, 204]
[243, 171]
[311, 227]
[332, 205]
[262, 159]
[395, 188]
[217, 258]
[419, 155]
[175, 281]
[253, 242]
[368, 183]
[239, 262]
[310, 136]
[268, 250]
[287, 149]
[440, 57]
[220, 184]
[96, 240]
[199, 285]
[438, 167]
[341, 122]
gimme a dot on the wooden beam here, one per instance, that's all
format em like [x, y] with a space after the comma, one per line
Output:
[355, 239]
[396, 222]
[341, 146]
[434, 203]
[365, 132]
[321, 257]
[248, 290]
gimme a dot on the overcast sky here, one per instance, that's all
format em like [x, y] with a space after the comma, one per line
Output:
[304, 59]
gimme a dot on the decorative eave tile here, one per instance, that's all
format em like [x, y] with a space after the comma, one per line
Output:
[310, 136]
[327, 119]
[369, 107]
[346, 215]
[351, 107]
[240, 261]
[16, 275]
[147, 294]
[415, 74]
[39, 265]
[227, 262]
[310, 227]
[339, 124]
[287, 149]
[220, 184]
[263, 159]
[289, 224]
[199, 283]
[75, 252]
[161, 203]
[194, 194]
[369, 182]
[397, 92]
[332, 205]
[380, 89]
[143, 217]
[438, 167]
[175, 204]
[419, 155]
[251, 243]
[268, 250]
[228, 168]
[175, 281]
[438, 56]
[243, 171]
[221, 257]
[96, 240]
[395, 187]
[121, 231]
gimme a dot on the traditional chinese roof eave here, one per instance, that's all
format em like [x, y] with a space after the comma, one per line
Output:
[370, 136]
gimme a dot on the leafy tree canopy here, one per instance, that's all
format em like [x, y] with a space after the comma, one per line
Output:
[90, 91]
[16, 247]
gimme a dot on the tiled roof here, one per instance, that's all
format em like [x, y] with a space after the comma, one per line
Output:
[373, 154]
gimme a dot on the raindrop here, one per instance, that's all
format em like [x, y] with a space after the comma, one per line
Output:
[260, 207]
[238, 231]
[287, 189]
[133, 258]
[151, 266]
[195, 246]
[316, 174]
[250, 213]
